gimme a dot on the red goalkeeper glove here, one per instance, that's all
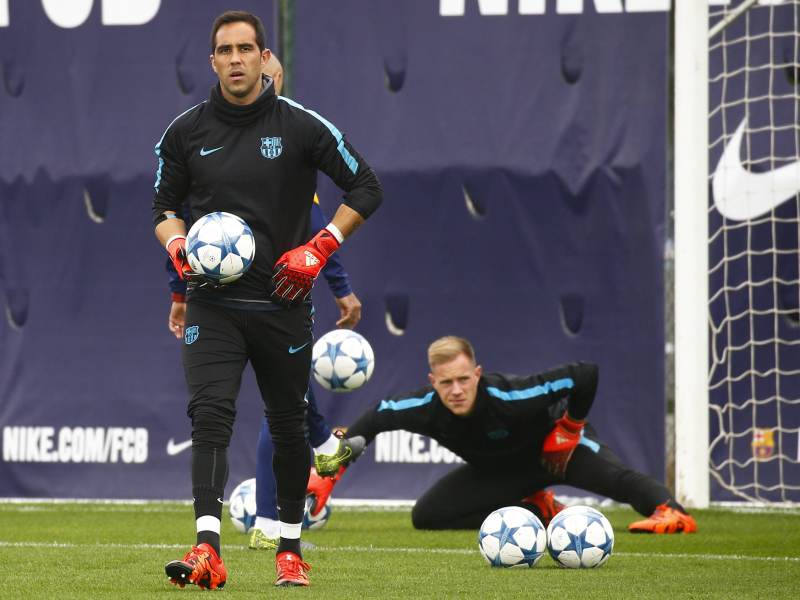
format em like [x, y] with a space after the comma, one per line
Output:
[297, 269]
[176, 246]
[560, 444]
[321, 487]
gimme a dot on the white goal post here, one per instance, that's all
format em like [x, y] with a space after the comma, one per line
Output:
[691, 253]
[737, 250]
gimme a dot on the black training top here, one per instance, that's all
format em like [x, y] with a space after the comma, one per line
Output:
[259, 162]
[512, 416]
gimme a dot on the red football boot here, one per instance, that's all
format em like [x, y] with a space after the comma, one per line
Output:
[665, 520]
[200, 567]
[547, 503]
[291, 570]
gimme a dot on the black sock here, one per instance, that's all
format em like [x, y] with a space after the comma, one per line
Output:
[208, 502]
[210, 538]
[290, 511]
[288, 545]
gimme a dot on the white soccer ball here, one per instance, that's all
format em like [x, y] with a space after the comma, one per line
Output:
[220, 246]
[318, 522]
[342, 360]
[580, 537]
[242, 506]
[512, 537]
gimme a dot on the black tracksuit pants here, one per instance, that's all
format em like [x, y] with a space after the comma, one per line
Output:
[463, 498]
[218, 344]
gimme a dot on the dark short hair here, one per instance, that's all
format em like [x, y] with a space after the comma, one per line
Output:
[239, 16]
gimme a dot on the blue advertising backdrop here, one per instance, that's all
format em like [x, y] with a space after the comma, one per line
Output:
[523, 161]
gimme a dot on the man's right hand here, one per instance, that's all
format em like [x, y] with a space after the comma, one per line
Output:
[176, 246]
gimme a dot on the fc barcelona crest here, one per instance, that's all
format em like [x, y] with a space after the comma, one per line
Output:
[763, 443]
[271, 147]
[192, 333]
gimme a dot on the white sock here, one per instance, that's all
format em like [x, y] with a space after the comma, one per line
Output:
[291, 531]
[208, 523]
[270, 527]
[329, 446]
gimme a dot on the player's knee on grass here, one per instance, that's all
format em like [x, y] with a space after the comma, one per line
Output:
[424, 517]
[420, 520]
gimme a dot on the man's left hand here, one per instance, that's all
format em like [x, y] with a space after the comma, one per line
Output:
[177, 319]
[297, 269]
[560, 444]
[351, 311]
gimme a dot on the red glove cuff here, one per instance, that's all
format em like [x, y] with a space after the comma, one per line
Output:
[177, 252]
[570, 426]
[325, 242]
[174, 244]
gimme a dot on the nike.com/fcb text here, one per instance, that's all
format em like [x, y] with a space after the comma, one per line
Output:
[405, 447]
[75, 444]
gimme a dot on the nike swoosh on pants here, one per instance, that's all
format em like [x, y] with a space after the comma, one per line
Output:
[173, 448]
[292, 349]
[740, 194]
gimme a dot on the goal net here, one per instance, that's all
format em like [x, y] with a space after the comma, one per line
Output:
[754, 281]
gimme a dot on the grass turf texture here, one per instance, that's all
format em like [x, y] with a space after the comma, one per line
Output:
[119, 551]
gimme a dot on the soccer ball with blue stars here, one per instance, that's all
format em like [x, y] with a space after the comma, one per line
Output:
[221, 247]
[342, 360]
[242, 506]
[580, 537]
[512, 537]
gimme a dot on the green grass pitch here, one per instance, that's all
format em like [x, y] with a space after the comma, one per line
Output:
[95, 551]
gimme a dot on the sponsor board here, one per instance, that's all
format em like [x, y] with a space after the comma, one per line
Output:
[405, 447]
[75, 444]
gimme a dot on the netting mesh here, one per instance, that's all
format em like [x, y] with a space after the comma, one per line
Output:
[754, 280]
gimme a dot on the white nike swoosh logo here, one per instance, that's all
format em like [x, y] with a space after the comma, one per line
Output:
[173, 448]
[740, 194]
[204, 152]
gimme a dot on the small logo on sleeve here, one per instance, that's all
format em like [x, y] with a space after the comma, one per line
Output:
[192, 333]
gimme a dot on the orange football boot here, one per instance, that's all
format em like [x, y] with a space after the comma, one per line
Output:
[291, 570]
[665, 520]
[201, 567]
[547, 503]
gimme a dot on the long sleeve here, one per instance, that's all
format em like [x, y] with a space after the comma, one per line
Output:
[332, 154]
[172, 177]
[412, 411]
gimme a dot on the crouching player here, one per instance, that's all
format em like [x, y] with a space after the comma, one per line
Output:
[518, 436]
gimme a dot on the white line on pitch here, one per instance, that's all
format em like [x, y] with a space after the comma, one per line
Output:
[375, 549]
[710, 556]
